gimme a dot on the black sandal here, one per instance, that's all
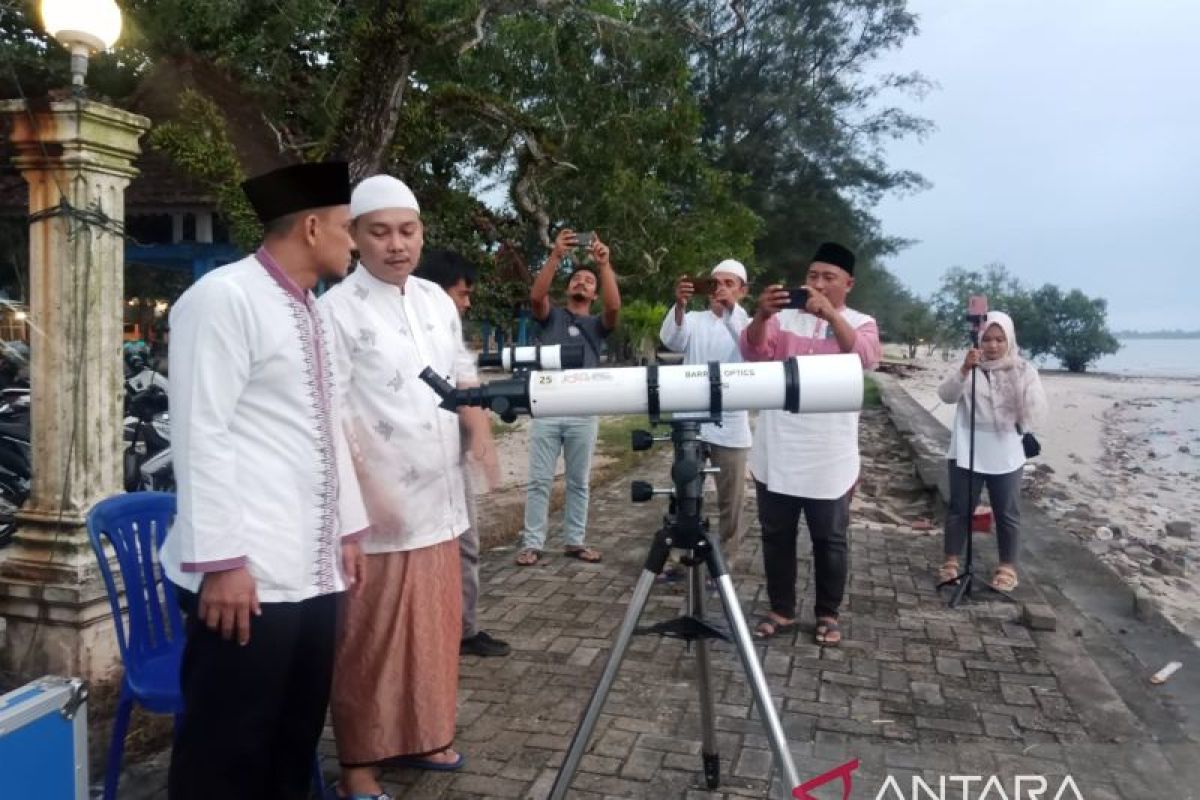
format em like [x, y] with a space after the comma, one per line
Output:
[826, 627]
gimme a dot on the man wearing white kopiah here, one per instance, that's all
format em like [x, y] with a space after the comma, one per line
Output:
[396, 674]
[269, 508]
[712, 335]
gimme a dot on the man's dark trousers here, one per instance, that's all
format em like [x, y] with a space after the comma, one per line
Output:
[253, 714]
[828, 526]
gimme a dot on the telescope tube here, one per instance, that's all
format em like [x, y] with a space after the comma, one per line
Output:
[826, 383]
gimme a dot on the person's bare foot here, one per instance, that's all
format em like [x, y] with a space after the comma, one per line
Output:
[358, 781]
[447, 756]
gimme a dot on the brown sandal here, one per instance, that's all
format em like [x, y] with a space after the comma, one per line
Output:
[828, 633]
[949, 571]
[771, 625]
[1004, 579]
[589, 554]
[528, 557]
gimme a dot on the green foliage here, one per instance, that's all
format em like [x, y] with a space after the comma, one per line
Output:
[1071, 327]
[199, 143]
[791, 104]
[917, 326]
[636, 338]
[681, 139]
[871, 393]
[1080, 326]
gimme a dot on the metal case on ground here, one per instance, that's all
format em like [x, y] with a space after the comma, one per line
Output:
[43, 740]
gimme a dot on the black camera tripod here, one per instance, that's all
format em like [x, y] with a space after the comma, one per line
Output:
[684, 528]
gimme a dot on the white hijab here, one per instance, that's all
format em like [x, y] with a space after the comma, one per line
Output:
[1016, 388]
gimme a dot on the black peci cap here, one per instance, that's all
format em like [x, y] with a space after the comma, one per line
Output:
[298, 187]
[834, 253]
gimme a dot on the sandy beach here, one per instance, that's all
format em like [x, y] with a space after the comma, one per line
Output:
[1120, 468]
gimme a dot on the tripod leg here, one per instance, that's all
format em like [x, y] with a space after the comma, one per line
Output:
[708, 726]
[753, 669]
[566, 773]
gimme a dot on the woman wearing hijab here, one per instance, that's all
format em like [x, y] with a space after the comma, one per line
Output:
[1009, 402]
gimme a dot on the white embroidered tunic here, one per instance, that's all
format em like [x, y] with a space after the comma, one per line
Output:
[264, 474]
[705, 337]
[406, 449]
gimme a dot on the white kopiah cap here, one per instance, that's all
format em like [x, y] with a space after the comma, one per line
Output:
[728, 266]
[379, 192]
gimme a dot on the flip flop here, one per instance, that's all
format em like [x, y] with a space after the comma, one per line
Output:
[768, 627]
[588, 554]
[826, 627]
[424, 763]
[528, 557]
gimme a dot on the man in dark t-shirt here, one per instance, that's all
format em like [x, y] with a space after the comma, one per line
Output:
[575, 437]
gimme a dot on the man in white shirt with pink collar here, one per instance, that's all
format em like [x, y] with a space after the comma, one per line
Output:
[808, 463]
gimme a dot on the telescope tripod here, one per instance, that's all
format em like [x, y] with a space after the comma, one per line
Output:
[684, 528]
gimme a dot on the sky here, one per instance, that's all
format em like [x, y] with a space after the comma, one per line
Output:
[1067, 147]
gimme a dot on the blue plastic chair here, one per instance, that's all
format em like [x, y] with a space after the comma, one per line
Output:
[135, 525]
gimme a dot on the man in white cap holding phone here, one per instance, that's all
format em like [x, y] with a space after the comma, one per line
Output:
[712, 335]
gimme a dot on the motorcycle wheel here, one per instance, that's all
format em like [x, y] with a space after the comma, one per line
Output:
[9, 506]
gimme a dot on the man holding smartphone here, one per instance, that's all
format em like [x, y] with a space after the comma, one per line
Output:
[712, 335]
[574, 437]
[808, 463]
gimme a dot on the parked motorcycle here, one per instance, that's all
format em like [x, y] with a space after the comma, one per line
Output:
[147, 438]
[15, 458]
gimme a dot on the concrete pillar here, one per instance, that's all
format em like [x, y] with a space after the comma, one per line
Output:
[51, 595]
[176, 227]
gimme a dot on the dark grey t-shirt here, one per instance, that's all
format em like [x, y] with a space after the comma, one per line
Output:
[563, 327]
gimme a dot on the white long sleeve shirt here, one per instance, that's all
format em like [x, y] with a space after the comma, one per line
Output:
[705, 337]
[998, 449]
[406, 449]
[264, 474]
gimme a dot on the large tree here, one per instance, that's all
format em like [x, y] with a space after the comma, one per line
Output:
[790, 103]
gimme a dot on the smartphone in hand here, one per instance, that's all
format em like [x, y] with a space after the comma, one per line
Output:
[797, 298]
[584, 240]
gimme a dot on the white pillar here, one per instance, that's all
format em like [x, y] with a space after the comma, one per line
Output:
[51, 595]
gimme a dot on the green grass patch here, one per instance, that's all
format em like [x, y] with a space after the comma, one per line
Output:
[613, 440]
[871, 396]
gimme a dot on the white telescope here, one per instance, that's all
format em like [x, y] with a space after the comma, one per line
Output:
[537, 356]
[812, 384]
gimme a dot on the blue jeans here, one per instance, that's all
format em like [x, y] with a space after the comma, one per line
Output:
[575, 437]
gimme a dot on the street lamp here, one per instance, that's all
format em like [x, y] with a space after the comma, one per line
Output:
[84, 27]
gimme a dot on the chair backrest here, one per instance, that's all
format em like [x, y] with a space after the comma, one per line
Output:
[135, 524]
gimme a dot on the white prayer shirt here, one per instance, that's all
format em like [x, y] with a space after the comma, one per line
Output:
[997, 452]
[406, 449]
[705, 337]
[809, 455]
[263, 471]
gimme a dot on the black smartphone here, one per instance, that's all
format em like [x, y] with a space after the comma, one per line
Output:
[585, 240]
[797, 298]
[702, 286]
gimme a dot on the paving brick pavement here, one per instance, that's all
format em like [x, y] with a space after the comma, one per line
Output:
[916, 690]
